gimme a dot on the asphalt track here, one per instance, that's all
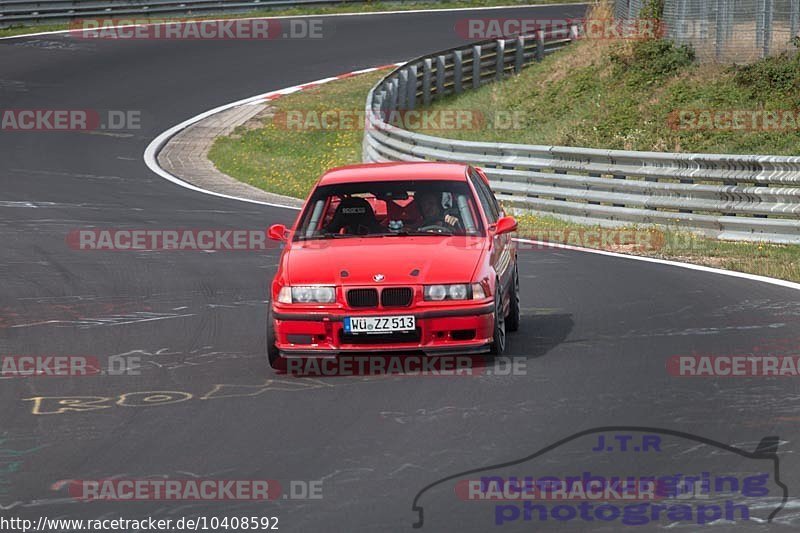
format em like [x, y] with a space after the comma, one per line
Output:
[596, 331]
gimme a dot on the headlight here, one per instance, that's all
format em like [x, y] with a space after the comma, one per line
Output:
[302, 295]
[459, 291]
[323, 295]
[435, 292]
[306, 295]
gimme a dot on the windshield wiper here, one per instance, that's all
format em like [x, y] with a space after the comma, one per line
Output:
[324, 236]
[328, 235]
[417, 233]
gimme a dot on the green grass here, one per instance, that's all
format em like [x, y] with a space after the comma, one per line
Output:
[355, 7]
[289, 161]
[624, 95]
[771, 260]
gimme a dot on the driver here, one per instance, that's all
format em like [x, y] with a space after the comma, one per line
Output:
[433, 214]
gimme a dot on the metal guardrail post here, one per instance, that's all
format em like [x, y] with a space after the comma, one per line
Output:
[458, 71]
[411, 97]
[573, 32]
[539, 45]
[402, 90]
[794, 17]
[426, 81]
[519, 54]
[394, 91]
[476, 66]
[500, 58]
[440, 70]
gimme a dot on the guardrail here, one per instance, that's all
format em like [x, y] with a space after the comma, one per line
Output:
[19, 12]
[736, 197]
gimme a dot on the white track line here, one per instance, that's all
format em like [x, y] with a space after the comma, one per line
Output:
[690, 266]
[356, 14]
[152, 151]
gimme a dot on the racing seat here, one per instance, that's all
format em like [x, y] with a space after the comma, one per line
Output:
[354, 216]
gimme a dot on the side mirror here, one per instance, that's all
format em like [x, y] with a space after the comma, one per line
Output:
[505, 225]
[277, 232]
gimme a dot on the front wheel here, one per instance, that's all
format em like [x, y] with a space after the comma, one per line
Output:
[498, 346]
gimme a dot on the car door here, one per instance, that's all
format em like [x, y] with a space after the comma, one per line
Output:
[502, 252]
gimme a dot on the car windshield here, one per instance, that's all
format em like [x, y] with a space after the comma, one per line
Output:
[390, 209]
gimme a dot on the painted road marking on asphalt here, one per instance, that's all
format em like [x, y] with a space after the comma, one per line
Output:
[701, 268]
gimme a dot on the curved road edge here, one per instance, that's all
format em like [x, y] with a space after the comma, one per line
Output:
[169, 139]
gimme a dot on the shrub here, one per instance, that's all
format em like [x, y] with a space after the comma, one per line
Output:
[650, 62]
[771, 75]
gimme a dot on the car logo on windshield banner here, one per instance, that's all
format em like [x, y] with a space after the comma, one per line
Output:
[378, 277]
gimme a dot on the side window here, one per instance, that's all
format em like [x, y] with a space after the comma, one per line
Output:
[486, 198]
[497, 208]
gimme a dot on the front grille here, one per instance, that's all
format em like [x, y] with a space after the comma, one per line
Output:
[362, 298]
[381, 338]
[396, 296]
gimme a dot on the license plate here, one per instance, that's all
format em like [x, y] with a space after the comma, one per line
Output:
[379, 324]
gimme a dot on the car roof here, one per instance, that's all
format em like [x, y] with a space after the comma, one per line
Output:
[370, 172]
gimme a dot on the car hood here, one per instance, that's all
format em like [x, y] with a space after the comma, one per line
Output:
[439, 259]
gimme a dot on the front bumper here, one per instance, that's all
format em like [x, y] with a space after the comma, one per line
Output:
[445, 330]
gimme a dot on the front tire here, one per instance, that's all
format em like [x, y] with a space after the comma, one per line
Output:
[498, 345]
[512, 321]
[273, 355]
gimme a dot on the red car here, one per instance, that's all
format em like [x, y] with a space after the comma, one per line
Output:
[395, 257]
